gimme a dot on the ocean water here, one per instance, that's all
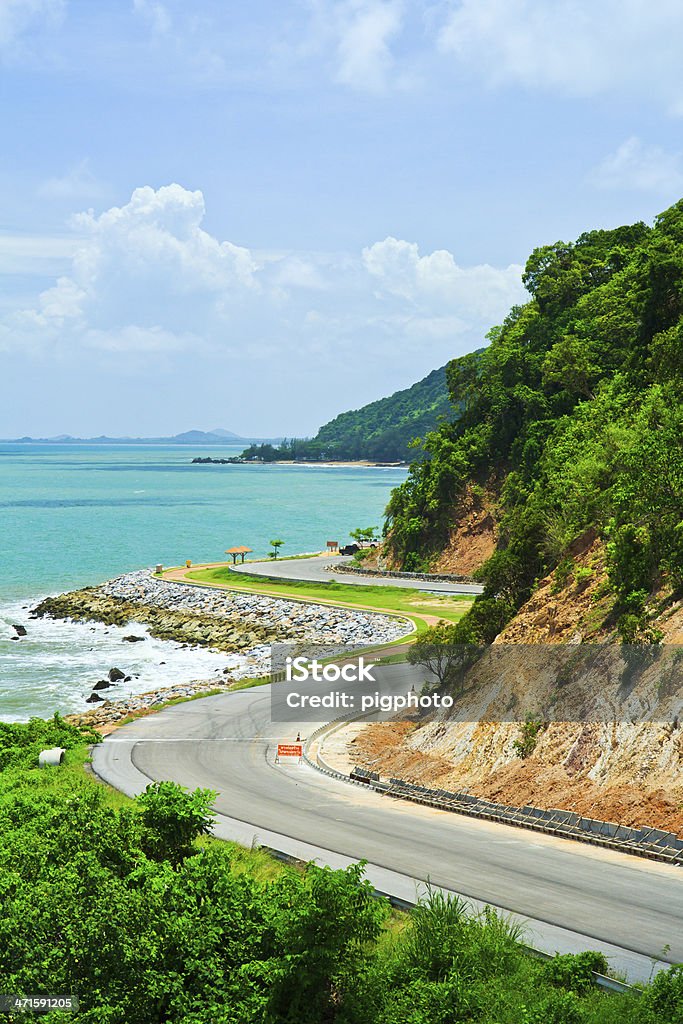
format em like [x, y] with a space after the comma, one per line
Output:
[72, 515]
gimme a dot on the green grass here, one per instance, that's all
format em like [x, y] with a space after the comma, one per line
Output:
[397, 600]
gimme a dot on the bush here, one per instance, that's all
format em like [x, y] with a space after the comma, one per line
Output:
[574, 971]
[664, 998]
[173, 818]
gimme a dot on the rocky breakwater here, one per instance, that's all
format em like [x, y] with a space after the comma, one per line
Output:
[225, 620]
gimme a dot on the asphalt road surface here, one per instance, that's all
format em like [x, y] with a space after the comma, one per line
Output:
[573, 896]
[315, 570]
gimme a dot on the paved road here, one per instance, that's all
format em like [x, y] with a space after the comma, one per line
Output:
[315, 570]
[630, 908]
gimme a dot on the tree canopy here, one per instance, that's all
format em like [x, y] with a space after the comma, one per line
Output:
[576, 403]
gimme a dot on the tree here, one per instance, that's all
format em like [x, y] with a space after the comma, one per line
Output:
[275, 545]
[364, 536]
[439, 651]
[568, 365]
[173, 819]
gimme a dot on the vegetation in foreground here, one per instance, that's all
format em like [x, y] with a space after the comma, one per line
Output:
[127, 905]
[571, 421]
[411, 603]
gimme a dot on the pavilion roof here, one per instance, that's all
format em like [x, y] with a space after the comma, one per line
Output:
[238, 550]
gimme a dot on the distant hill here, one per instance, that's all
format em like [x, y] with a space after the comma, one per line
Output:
[190, 437]
[384, 429]
[380, 432]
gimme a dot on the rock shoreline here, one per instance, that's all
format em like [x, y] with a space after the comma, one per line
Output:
[244, 624]
[110, 713]
[226, 620]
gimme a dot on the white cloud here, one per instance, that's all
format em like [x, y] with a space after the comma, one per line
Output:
[436, 281]
[365, 29]
[636, 165]
[19, 17]
[575, 47]
[78, 184]
[146, 278]
[354, 41]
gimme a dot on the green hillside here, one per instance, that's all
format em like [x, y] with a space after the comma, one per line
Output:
[576, 404]
[384, 429]
[381, 431]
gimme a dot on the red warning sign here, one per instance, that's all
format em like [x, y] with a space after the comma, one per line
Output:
[290, 749]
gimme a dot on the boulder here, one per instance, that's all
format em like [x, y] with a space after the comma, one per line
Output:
[20, 630]
[93, 698]
[116, 675]
[132, 639]
[102, 684]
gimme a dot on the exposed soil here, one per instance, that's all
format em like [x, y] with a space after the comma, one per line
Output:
[384, 747]
[630, 771]
[473, 538]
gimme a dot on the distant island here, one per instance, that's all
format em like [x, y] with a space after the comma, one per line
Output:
[189, 437]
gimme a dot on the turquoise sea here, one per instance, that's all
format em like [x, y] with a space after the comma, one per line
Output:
[72, 515]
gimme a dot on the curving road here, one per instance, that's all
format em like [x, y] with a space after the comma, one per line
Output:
[315, 570]
[572, 896]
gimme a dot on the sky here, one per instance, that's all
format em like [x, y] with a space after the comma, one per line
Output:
[256, 216]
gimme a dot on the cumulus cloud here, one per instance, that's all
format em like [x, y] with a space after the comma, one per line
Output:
[147, 278]
[436, 280]
[576, 47]
[147, 265]
[635, 165]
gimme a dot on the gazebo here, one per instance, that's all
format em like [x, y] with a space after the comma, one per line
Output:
[239, 550]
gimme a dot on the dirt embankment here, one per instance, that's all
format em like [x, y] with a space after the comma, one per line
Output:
[558, 774]
[473, 540]
[629, 770]
[225, 634]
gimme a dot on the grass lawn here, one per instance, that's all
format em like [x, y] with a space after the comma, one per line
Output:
[414, 604]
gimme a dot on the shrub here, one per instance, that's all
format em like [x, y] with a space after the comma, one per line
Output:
[574, 971]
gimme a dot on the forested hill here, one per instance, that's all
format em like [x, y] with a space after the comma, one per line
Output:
[381, 431]
[570, 427]
[384, 429]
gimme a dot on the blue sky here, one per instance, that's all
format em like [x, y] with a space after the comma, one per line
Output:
[258, 215]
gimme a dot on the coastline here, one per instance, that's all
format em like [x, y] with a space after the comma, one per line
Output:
[239, 625]
[322, 464]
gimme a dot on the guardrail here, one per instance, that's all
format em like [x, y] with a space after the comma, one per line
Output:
[646, 841]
